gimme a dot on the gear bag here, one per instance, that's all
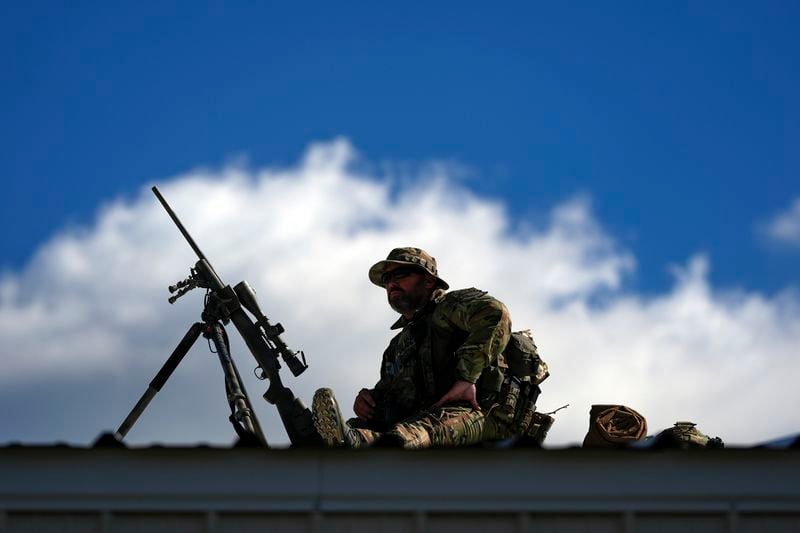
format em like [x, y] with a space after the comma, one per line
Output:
[614, 426]
[685, 435]
[520, 386]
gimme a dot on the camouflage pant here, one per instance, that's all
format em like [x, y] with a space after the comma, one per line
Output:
[445, 426]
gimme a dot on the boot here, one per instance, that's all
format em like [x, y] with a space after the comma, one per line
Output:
[329, 422]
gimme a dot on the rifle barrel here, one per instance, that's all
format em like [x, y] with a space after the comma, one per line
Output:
[177, 222]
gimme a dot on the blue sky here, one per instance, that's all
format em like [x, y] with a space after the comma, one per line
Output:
[642, 157]
[680, 122]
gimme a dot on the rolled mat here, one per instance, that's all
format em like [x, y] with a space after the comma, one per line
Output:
[614, 426]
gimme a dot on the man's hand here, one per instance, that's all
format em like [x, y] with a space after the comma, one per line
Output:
[364, 404]
[461, 391]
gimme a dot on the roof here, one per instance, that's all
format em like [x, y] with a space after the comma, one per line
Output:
[227, 489]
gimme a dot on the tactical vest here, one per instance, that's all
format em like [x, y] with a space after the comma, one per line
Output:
[508, 387]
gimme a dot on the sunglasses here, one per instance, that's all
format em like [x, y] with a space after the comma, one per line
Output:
[399, 273]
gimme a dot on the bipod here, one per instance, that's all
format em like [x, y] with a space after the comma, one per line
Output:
[243, 417]
[224, 304]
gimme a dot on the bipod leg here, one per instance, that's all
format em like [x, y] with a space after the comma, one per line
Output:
[243, 417]
[161, 378]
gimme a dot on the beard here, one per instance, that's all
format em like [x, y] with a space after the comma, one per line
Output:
[405, 302]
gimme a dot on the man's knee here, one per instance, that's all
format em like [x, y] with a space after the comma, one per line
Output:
[441, 427]
[406, 436]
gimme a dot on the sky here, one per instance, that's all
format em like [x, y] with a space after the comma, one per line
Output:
[624, 178]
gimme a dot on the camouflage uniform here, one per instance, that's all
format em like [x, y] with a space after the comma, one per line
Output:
[457, 336]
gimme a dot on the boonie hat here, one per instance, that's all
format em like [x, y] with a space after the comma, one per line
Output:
[407, 257]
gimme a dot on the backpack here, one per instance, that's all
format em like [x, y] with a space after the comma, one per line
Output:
[522, 358]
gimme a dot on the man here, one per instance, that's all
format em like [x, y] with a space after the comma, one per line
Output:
[440, 374]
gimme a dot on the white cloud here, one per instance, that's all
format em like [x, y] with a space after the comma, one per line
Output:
[85, 326]
[785, 226]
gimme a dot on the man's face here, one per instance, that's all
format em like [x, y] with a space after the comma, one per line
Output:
[407, 288]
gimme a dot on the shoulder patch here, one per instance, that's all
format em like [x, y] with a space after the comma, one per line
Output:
[460, 302]
[464, 295]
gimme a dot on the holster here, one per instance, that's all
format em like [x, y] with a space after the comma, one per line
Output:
[526, 407]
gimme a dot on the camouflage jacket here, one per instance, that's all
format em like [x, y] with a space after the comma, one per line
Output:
[457, 336]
